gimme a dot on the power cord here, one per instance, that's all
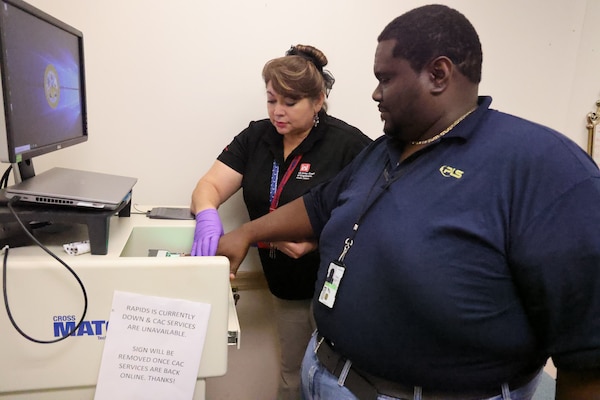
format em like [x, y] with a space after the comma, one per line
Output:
[5, 293]
[138, 211]
[4, 179]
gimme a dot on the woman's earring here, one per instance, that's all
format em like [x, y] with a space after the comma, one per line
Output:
[316, 120]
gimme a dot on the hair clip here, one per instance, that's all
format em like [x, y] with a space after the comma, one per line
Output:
[292, 51]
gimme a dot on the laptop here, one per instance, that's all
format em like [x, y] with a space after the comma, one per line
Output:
[74, 188]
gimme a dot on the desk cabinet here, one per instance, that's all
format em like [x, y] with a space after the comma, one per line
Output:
[41, 291]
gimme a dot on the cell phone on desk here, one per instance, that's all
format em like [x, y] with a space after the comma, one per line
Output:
[170, 213]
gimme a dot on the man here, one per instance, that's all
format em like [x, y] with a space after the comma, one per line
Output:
[459, 251]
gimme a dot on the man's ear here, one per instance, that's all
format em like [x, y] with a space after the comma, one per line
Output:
[440, 70]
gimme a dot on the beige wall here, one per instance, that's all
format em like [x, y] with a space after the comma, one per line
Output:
[171, 82]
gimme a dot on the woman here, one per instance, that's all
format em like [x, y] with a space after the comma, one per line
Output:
[274, 161]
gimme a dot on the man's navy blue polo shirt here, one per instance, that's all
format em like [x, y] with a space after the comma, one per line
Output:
[474, 259]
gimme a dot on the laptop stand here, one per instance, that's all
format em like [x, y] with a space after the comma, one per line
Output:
[97, 221]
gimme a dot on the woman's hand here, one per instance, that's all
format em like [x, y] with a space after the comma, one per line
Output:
[296, 249]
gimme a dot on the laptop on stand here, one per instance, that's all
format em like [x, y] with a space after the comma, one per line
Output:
[74, 188]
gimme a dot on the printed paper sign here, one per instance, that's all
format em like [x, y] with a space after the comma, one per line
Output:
[153, 348]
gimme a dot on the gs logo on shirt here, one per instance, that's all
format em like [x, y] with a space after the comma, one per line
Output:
[451, 172]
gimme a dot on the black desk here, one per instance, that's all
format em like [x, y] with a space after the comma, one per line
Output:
[97, 221]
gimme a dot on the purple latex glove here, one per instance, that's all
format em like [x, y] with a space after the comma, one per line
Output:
[208, 231]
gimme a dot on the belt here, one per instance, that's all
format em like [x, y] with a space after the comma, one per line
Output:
[366, 386]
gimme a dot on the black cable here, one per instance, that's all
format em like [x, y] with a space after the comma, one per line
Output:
[4, 179]
[4, 291]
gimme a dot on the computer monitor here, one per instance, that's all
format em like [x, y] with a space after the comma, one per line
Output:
[43, 86]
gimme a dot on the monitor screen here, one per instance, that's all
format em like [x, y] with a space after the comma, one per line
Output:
[43, 85]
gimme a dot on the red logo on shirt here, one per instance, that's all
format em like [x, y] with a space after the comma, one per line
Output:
[305, 167]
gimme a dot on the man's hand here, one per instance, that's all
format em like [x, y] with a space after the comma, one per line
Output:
[288, 222]
[234, 245]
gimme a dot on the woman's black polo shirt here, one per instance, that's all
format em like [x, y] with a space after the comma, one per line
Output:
[325, 151]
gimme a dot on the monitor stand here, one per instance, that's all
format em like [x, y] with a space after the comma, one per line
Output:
[97, 221]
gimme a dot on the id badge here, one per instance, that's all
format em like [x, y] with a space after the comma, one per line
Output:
[335, 272]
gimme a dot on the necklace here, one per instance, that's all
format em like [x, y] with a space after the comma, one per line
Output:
[442, 133]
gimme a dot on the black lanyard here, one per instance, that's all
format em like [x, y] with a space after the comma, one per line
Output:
[389, 180]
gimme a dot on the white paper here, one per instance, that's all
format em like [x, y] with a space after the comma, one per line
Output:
[153, 348]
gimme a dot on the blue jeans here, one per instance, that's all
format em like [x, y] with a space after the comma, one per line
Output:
[319, 384]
